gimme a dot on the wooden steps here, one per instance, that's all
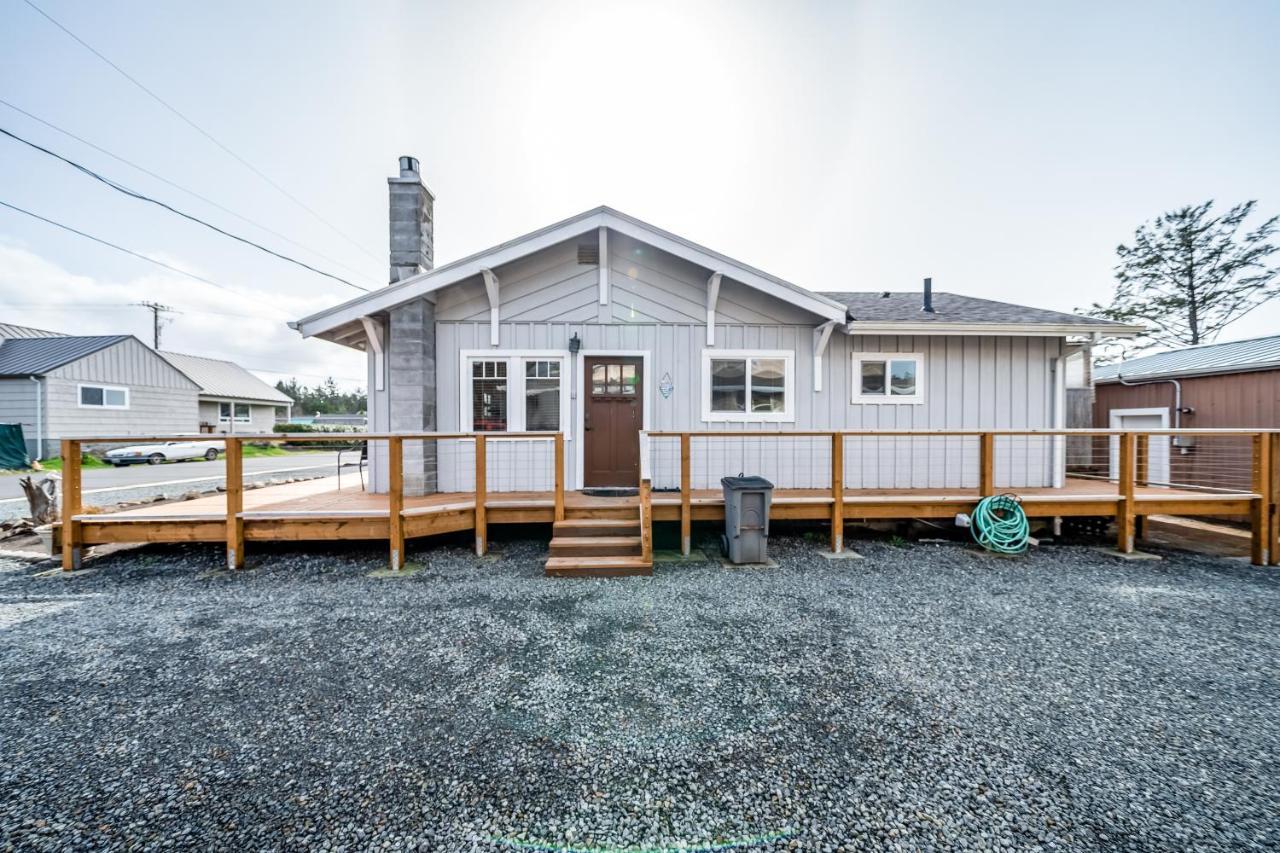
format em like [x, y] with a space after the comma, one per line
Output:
[598, 548]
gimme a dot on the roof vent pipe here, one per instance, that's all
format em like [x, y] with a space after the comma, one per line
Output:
[927, 307]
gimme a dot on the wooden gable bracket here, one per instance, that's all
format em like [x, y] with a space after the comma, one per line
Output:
[373, 332]
[821, 336]
[491, 289]
[713, 296]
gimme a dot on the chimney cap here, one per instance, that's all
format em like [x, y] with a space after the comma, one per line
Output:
[408, 167]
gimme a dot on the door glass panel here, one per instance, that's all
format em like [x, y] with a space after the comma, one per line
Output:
[597, 379]
[873, 377]
[902, 377]
[615, 379]
[768, 388]
[728, 385]
[629, 379]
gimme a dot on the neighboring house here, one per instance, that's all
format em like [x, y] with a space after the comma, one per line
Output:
[232, 400]
[73, 386]
[602, 325]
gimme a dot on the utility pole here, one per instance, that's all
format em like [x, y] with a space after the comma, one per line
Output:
[156, 310]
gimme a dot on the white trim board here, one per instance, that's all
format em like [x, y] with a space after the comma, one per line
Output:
[575, 394]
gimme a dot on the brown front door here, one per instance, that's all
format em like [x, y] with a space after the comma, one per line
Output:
[613, 417]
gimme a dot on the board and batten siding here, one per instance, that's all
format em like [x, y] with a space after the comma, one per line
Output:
[18, 405]
[970, 383]
[162, 400]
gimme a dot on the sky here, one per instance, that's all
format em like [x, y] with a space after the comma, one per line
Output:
[1004, 149]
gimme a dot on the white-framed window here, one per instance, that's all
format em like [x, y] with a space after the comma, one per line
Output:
[103, 397]
[748, 385]
[514, 391]
[239, 411]
[888, 377]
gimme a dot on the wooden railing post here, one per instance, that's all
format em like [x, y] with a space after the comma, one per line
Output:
[1260, 507]
[395, 494]
[482, 486]
[1141, 477]
[646, 502]
[986, 464]
[235, 502]
[686, 497]
[1124, 506]
[1273, 500]
[70, 504]
[837, 492]
[559, 463]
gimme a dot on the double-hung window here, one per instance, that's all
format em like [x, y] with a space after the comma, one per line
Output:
[888, 377]
[748, 385]
[104, 397]
[238, 411]
[514, 392]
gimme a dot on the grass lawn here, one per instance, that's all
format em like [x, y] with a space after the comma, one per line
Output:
[55, 464]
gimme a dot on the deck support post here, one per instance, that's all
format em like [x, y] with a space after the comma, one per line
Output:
[235, 502]
[395, 495]
[986, 465]
[1124, 506]
[1260, 507]
[686, 497]
[71, 552]
[559, 462]
[837, 492]
[1273, 501]
[482, 488]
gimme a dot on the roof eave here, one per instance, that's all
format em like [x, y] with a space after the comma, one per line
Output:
[1191, 374]
[938, 327]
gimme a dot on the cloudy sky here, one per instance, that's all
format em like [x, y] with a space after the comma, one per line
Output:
[1003, 148]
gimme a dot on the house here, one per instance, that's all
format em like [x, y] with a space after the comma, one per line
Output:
[1233, 385]
[231, 399]
[68, 386]
[601, 325]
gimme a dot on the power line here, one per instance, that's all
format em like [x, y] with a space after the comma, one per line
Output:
[118, 187]
[198, 128]
[177, 186]
[139, 255]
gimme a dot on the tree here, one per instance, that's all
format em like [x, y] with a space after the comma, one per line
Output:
[323, 399]
[1189, 274]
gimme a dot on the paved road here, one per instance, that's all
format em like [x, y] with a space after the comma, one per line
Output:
[199, 474]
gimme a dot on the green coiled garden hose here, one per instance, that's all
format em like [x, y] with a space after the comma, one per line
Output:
[1000, 525]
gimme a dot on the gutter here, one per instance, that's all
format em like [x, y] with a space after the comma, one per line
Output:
[39, 418]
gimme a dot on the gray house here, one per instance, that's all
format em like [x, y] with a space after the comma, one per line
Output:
[232, 400]
[72, 386]
[602, 325]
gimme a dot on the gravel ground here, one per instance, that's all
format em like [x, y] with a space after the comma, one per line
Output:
[925, 698]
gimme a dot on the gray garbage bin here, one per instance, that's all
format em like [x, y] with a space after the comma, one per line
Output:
[746, 518]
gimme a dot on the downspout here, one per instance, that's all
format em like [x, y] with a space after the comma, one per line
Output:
[39, 418]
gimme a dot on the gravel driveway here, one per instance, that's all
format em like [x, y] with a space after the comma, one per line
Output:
[927, 697]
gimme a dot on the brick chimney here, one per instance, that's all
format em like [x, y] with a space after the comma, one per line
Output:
[412, 222]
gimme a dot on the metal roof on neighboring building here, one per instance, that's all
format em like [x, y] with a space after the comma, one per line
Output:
[218, 378]
[38, 356]
[10, 330]
[1230, 357]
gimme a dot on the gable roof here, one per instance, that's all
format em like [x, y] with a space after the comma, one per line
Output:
[218, 378]
[575, 226]
[38, 356]
[10, 330]
[1205, 359]
[899, 311]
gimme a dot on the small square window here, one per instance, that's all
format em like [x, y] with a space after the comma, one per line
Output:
[888, 378]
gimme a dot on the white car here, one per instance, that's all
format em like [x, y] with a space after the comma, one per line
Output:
[168, 451]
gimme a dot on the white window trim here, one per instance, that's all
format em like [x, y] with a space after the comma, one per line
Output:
[105, 388]
[515, 360]
[247, 419]
[787, 415]
[885, 399]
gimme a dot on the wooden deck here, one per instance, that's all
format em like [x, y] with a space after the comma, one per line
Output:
[318, 510]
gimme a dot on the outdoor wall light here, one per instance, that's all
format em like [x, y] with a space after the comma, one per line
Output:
[575, 344]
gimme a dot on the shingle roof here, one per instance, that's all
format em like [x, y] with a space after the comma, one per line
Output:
[1231, 357]
[218, 378]
[905, 307]
[38, 356]
[9, 330]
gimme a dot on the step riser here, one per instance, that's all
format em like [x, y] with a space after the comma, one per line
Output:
[599, 573]
[619, 529]
[586, 553]
[611, 512]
